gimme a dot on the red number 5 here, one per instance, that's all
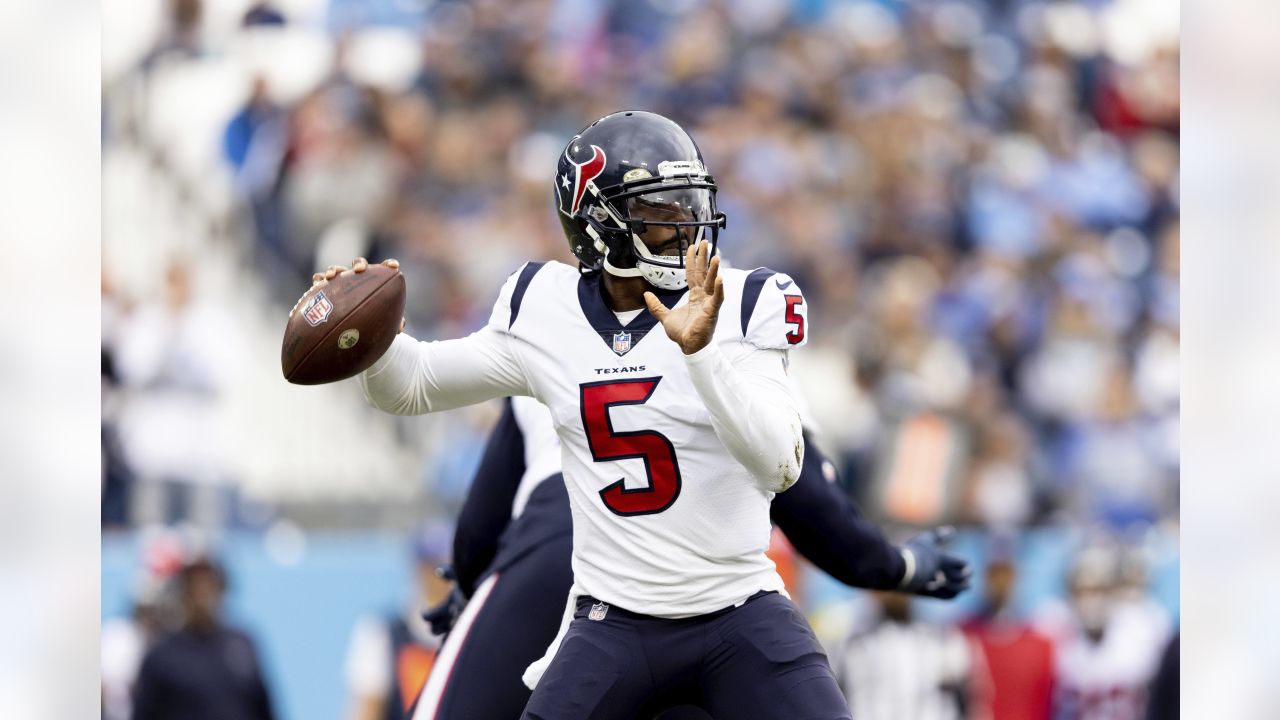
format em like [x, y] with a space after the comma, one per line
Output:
[795, 317]
[653, 447]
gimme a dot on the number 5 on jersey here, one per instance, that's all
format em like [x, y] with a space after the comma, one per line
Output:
[653, 447]
[794, 318]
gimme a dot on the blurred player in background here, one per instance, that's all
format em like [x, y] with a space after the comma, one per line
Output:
[514, 540]
[900, 667]
[1108, 649]
[389, 657]
[124, 642]
[156, 610]
[204, 670]
[1013, 663]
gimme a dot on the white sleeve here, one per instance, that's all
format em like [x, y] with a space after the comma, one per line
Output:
[416, 377]
[368, 664]
[753, 410]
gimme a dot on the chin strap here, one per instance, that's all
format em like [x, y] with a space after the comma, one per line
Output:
[664, 278]
[620, 272]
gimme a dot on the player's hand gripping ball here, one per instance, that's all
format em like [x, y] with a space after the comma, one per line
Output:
[344, 323]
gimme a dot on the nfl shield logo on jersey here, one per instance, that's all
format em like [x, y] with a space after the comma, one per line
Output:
[317, 309]
[598, 612]
[621, 342]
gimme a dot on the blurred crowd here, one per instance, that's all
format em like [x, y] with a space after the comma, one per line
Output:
[979, 198]
[1104, 650]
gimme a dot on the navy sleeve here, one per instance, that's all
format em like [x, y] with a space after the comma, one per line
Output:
[487, 510]
[825, 526]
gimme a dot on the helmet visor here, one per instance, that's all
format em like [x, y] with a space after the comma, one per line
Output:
[669, 221]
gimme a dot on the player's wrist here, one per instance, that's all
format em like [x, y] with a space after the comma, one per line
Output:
[700, 355]
[908, 567]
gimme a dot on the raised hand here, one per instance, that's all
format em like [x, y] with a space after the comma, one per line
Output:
[691, 325]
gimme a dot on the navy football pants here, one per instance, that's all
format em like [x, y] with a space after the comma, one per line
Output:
[758, 661]
[509, 622]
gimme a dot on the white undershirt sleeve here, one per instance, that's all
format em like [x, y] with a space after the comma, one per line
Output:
[753, 411]
[415, 377]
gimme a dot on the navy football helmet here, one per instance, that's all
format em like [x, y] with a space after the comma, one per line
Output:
[628, 176]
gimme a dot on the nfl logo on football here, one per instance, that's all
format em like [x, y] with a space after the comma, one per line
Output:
[598, 612]
[317, 309]
[621, 342]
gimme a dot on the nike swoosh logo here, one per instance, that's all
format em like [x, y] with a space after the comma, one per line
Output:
[781, 285]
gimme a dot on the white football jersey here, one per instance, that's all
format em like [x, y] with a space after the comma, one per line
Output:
[666, 521]
[541, 448]
[1109, 679]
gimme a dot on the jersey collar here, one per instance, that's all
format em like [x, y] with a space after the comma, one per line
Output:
[605, 323]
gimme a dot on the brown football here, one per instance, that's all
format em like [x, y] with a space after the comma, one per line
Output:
[340, 328]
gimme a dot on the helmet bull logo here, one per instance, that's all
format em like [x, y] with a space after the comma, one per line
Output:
[583, 174]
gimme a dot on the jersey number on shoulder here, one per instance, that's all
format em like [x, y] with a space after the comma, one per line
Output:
[653, 447]
[793, 301]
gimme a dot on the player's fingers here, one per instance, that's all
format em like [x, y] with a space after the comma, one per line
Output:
[360, 265]
[717, 297]
[693, 273]
[317, 278]
[655, 306]
[333, 271]
[392, 263]
[713, 274]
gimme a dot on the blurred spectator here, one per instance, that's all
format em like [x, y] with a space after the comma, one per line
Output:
[125, 641]
[175, 356]
[1109, 458]
[262, 13]
[181, 37]
[1002, 495]
[255, 143]
[1108, 650]
[389, 657]
[900, 667]
[205, 669]
[1013, 664]
[117, 477]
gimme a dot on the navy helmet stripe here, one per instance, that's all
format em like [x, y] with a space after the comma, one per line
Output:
[751, 294]
[522, 284]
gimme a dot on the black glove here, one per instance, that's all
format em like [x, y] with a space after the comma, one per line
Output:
[930, 570]
[443, 615]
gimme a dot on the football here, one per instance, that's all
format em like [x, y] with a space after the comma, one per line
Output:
[340, 328]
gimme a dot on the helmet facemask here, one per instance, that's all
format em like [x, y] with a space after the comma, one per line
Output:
[653, 223]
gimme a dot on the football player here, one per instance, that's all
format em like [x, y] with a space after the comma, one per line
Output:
[513, 542]
[673, 443]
